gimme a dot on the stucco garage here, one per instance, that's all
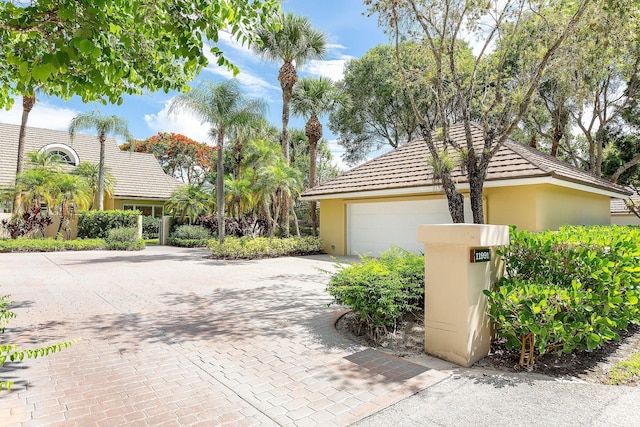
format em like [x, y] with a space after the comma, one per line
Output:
[381, 203]
[373, 227]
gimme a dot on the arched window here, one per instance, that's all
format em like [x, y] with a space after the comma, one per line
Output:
[63, 152]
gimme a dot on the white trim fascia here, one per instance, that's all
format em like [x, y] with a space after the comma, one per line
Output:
[465, 187]
[118, 196]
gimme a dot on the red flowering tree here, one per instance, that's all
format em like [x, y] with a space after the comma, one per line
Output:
[181, 157]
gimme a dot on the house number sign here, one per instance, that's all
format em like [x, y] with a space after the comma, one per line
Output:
[480, 255]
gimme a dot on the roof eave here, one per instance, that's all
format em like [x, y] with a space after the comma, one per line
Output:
[494, 183]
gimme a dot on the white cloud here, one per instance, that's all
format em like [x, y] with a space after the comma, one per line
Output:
[337, 151]
[181, 123]
[255, 85]
[43, 115]
[336, 46]
[226, 39]
[331, 68]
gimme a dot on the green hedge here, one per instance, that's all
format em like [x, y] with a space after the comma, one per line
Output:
[50, 245]
[381, 291]
[262, 247]
[567, 291]
[124, 239]
[150, 227]
[96, 224]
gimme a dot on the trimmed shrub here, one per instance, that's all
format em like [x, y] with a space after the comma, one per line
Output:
[96, 224]
[191, 232]
[381, 291]
[50, 245]
[262, 247]
[190, 236]
[150, 227]
[124, 239]
[566, 291]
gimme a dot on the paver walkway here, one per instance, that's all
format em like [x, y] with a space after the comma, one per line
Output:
[171, 338]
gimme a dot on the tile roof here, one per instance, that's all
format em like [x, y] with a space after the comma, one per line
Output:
[138, 175]
[407, 166]
[619, 206]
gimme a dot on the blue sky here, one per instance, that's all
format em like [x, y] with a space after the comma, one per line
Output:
[350, 35]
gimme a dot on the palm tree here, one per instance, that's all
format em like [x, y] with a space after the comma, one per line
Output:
[27, 105]
[296, 41]
[90, 172]
[69, 193]
[227, 110]
[190, 202]
[313, 98]
[105, 125]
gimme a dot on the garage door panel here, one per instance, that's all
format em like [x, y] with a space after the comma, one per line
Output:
[375, 227]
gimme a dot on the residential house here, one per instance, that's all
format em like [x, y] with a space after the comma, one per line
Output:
[140, 181]
[380, 203]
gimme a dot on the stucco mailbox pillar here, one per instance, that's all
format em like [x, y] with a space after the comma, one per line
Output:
[460, 262]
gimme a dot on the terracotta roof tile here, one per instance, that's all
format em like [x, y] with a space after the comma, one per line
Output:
[407, 166]
[619, 206]
[138, 175]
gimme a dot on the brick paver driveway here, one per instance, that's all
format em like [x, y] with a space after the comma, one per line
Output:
[171, 338]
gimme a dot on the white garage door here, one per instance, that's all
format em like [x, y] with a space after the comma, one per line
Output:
[373, 227]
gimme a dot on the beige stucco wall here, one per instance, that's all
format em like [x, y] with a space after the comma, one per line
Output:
[545, 207]
[629, 219]
[558, 206]
[529, 207]
[333, 226]
[512, 206]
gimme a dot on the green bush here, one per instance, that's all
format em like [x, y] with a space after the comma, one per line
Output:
[262, 247]
[191, 232]
[96, 224]
[190, 236]
[381, 291]
[566, 291]
[150, 227]
[124, 239]
[50, 245]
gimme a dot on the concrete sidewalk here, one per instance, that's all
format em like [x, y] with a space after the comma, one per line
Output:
[172, 338]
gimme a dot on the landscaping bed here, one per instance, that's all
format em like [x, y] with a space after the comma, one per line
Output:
[408, 341]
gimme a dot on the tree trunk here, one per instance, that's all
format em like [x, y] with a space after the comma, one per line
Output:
[313, 132]
[476, 184]
[287, 78]
[27, 105]
[220, 186]
[455, 200]
[102, 138]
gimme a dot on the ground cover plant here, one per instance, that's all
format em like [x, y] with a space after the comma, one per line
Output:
[11, 352]
[381, 291]
[50, 245]
[567, 291]
[263, 247]
[626, 371]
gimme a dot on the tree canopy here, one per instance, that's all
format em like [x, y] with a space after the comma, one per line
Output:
[102, 50]
[180, 157]
[489, 90]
